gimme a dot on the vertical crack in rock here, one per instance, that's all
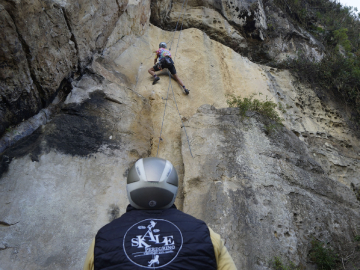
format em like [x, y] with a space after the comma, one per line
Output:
[121, 8]
[72, 38]
[151, 141]
[27, 51]
[356, 191]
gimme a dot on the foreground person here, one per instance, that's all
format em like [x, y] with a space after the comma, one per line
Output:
[165, 61]
[152, 233]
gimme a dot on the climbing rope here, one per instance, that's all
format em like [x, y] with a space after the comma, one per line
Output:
[182, 22]
[162, 124]
[182, 123]
[170, 83]
[182, 7]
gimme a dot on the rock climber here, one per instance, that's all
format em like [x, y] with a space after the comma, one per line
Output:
[165, 61]
[153, 233]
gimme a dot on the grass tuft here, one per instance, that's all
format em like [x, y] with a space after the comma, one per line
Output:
[277, 264]
[267, 108]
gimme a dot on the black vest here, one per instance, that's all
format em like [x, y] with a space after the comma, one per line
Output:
[154, 239]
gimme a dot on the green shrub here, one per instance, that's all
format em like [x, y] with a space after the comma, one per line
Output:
[333, 25]
[277, 264]
[341, 38]
[324, 257]
[331, 15]
[266, 108]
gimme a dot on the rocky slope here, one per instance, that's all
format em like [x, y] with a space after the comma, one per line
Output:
[267, 194]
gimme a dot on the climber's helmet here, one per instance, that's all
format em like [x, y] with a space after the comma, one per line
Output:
[152, 183]
[162, 45]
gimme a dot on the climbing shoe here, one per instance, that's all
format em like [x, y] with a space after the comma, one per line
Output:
[186, 91]
[156, 79]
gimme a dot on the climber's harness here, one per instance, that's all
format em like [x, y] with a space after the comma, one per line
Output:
[158, 65]
[165, 62]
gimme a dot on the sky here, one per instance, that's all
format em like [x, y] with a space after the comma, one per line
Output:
[351, 3]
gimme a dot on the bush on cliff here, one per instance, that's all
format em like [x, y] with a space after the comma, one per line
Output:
[338, 28]
[324, 257]
[266, 108]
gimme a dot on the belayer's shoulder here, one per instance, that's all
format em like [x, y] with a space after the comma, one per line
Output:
[181, 213]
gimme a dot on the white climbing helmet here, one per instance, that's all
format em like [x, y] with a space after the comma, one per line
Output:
[152, 183]
[162, 45]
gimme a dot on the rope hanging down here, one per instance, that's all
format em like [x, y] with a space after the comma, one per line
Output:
[174, 30]
[182, 20]
[170, 83]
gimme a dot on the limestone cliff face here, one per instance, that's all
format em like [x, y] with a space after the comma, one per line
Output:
[256, 29]
[267, 194]
[46, 44]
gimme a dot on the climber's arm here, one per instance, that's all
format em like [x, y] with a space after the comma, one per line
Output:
[157, 56]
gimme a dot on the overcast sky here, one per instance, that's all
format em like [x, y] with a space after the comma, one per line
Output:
[351, 3]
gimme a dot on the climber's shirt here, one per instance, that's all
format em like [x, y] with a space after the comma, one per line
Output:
[165, 61]
[161, 53]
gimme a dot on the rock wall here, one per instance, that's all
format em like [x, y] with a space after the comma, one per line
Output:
[256, 29]
[48, 43]
[267, 194]
[34, 59]
[68, 177]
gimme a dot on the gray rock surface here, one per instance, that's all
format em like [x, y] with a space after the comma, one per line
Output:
[19, 95]
[285, 40]
[47, 56]
[54, 41]
[46, 39]
[67, 179]
[91, 23]
[265, 194]
[47, 42]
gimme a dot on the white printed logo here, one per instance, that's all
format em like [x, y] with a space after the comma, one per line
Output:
[152, 243]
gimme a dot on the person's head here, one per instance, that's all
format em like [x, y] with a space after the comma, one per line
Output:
[162, 45]
[152, 183]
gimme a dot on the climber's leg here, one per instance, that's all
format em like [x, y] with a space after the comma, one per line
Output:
[152, 72]
[176, 77]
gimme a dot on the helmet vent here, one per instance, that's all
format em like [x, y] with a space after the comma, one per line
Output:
[138, 170]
